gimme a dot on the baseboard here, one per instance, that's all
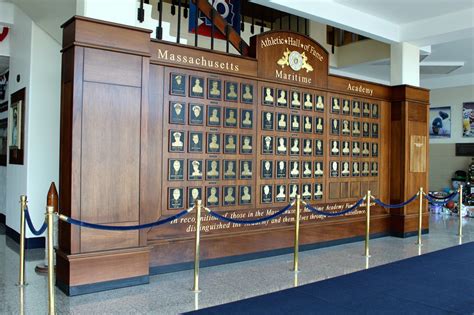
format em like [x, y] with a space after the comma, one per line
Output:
[102, 286]
[238, 258]
[409, 234]
[3, 218]
[30, 243]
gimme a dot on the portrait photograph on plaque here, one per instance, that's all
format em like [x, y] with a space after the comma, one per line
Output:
[282, 100]
[280, 193]
[334, 126]
[282, 146]
[178, 84]
[246, 116]
[195, 169]
[245, 195]
[294, 169]
[345, 169]
[229, 196]
[295, 100]
[307, 147]
[267, 169]
[213, 142]
[268, 96]
[375, 130]
[319, 106]
[294, 146]
[365, 169]
[308, 101]
[214, 116]
[334, 169]
[214, 89]
[375, 149]
[335, 148]
[194, 194]
[355, 129]
[375, 111]
[295, 123]
[282, 122]
[176, 141]
[177, 113]
[375, 169]
[318, 169]
[230, 144]
[307, 124]
[335, 106]
[306, 167]
[319, 125]
[365, 129]
[246, 169]
[306, 193]
[356, 108]
[318, 191]
[246, 144]
[266, 194]
[175, 198]
[196, 114]
[366, 109]
[281, 169]
[318, 147]
[267, 145]
[195, 142]
[346, 150]
[175, 169]
[196, 87]
[230, 117]
[346, 127]
[212, 196]
[293, 190]
[230, 169]
[231, 92]
[355, 148]
[246, 93]
[212, 169]
[365, 149]
[346, 107]
[355, 169]
[267, 121]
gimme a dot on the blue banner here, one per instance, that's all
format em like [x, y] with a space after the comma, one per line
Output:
[228, 9]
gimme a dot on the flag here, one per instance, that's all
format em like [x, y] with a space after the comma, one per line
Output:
[228, 9]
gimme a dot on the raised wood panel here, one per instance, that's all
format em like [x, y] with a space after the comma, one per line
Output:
[110, 153]
[355, 190]
[345, 190]
[97, 240]
[98, 63]
[418, 155]
[334, 190]
[417, 112]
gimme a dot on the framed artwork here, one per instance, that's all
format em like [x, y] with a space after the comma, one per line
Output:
[282, 100]
[308, 101]
[214, 89]
[177, 113]
[195, 142]
[176, 141]
[176, 169]
[230, 117]
[196, 87]
[468, 119]
[212, 196]
[346, 107]
[246, 116]
[178, 84]
[175, 198]
[440, 122]
[229, 196]
[245, 195]
[231, 92]
[196, 114]
[3, 141]
[195, 169]
[267, 121]
[194, 194]
[247, 93]
[267, 145]
[268, 96]
[16, 127]
[319, 106]
[266, 193]
[213, 116]
[295, 100]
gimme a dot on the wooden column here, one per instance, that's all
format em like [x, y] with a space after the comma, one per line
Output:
[104, 81]
[409, 154]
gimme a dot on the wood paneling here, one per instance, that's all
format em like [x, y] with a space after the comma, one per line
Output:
[97, 240]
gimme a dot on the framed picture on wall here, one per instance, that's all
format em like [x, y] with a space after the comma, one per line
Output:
[440, 122]
[16, 128]
[468, 119]
[3, 141]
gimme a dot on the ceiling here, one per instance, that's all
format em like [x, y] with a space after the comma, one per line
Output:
[442, 28]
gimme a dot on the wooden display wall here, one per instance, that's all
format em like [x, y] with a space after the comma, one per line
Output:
[147, 128]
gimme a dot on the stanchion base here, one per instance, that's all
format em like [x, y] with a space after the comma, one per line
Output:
[42, 269]
[419, 244]
[21, 285]
[295, 271]
[196, 291]
[368, 256]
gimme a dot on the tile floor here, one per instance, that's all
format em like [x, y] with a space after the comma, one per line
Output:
[171, 294]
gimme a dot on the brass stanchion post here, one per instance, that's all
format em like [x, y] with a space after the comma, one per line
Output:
[196, 248]
[420, 217]
[297, 232]
[50, 220]
[21, 277]
[367, 225]
[460, 211]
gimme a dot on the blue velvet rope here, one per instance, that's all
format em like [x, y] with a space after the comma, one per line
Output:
[398, 205]
[276, 214]
[124, 228]
[334, 214]
[440, 201]
[32, 227]
[450, 197]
